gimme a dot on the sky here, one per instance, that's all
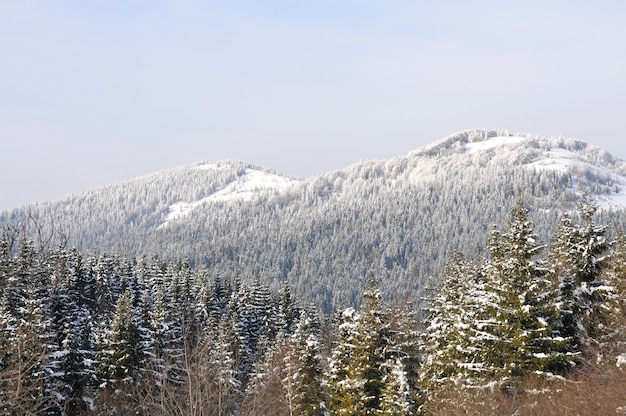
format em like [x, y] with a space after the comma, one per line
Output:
[95, 92]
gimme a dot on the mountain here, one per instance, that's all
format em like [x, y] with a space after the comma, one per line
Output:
[398, 219]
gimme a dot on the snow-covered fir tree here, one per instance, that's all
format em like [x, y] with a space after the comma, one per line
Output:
[121, 354]
[304, 372]
[365, 373]
[455, 332]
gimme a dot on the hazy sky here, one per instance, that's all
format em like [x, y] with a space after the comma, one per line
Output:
[92, 92]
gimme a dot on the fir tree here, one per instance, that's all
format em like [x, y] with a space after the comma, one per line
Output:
[222, 361]
[396, 394]
[305, 370]
[345, 380]
[521, 334]
[121, 355]
[358, 363]
[455, 335]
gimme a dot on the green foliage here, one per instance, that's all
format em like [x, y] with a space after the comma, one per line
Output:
[366, 375]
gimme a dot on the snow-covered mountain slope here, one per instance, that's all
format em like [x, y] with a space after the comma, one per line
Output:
[398, 219]
[588, 168]
[252, 183]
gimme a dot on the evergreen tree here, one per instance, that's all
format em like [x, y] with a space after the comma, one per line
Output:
[27, 386]
[287, 309]
[406, 346]
[521, 337]
[578, 256]
[396, 393]
[121, 354]
[455, 336]
[74, 362]
[305, 370]
[345, 382]
[358, 365]
[500, 320]
[222, 361]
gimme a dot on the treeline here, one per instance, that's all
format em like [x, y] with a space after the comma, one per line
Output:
[105, 334]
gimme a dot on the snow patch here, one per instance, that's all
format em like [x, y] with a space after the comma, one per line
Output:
[563, 160]
[621, 360]
[491, 143]
[613, 201]
[559, 160]
[245, 188]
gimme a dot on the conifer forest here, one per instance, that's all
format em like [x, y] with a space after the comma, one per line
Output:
[484, 274]
[509, 330]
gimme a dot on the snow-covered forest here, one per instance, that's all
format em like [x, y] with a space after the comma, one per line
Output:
[87, 333]
[483, 274]
[399, 219]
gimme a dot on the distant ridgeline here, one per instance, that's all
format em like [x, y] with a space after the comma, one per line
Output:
[398, 220]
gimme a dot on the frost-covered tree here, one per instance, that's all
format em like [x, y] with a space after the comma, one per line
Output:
[26, 385]
[395, 397]
[121, 353]
[359, 364]
[521, 334]
[345, 382]
[455, 335]
[226, 384]
[304, 372]
[499, 320]
[287, 309]
[578, 257]
[74, 362]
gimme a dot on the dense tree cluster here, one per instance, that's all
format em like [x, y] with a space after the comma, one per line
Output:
[527, 309]
[111, 335]
[102, 334]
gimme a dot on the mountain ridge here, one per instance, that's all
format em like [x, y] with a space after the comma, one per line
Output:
[399, 219]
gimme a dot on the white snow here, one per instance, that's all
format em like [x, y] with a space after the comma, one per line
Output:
[614, 201]
[245, 188]
[492, 143]
[621, 360]
[208, 166]
[556, 160]
[562, 160]
[213, 166]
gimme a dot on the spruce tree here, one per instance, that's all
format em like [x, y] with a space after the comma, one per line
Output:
[226, 384]
[306, 370]
[521, 331]
[396, 393]
[345, 382]
[456, 338]
[358, 365]
[121, 354]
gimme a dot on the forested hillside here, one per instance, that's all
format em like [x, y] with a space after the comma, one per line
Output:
[399, 219]
[521, 326]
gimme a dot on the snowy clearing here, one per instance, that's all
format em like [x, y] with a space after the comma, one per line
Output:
[245, 188]
[556, 160]
[562, 160]
[492, 143]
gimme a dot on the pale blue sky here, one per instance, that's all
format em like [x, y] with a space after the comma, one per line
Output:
[92, 92]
